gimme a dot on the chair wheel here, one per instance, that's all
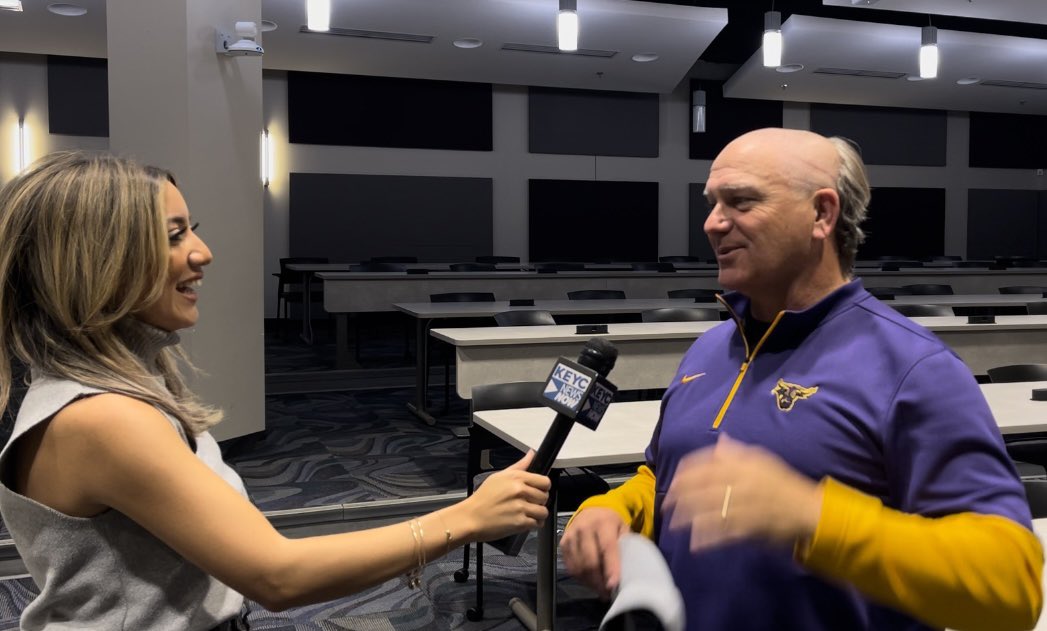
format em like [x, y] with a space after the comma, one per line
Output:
[474, 613]
[461, 576]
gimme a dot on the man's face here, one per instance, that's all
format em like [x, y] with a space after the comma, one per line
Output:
[761, 223]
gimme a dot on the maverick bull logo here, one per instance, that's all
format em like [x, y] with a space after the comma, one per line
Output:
[788, 394]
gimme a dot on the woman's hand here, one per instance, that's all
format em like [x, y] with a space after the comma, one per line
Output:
[590, 549]
[508, 502]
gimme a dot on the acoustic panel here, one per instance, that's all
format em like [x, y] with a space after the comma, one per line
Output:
[907, 222]
[349, 218]
[584, 220]
[592, 122]
[886, 135]
[77, 96]
[1008, 141]
[726, 119]
[1002, 223]
[697, 212]
[334, 109]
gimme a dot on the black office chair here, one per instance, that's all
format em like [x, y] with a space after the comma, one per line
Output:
[379, 266]
[1036, 495]
[661, 266]
[290, 288]
[680, 314]
[679, 259]
[1036, 308]
[596, 294]
[473, 267]
[456, 296]
[574, 485]
[923, 311]
[522, 317]
[394, 259]
[887, 293]
[706, 295]
[928, 289]
[1023, 289]
[944, 258]
[497, 259]
[1017, 372]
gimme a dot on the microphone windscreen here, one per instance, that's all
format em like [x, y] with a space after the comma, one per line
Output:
[598, 354]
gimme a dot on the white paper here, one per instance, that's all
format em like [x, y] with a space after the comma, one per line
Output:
[646, 584]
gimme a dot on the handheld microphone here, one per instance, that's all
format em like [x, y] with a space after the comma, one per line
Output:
[579, 392]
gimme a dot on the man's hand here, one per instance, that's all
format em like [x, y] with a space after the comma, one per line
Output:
[733, 491]
[590, 549]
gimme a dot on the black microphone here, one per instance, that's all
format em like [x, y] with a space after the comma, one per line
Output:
[579, 392]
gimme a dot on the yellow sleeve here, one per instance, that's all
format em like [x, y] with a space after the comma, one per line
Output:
[966, 571]
[633, 500]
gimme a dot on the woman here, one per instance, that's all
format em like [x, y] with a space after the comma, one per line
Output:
[113, 490]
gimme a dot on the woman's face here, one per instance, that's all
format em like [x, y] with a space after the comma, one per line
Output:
[176, 307]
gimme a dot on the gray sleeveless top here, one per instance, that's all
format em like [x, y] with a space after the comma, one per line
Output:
[106, 572]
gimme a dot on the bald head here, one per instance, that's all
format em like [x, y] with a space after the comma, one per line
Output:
[804, 159]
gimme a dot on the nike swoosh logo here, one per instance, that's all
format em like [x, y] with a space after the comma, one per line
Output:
[690, 378]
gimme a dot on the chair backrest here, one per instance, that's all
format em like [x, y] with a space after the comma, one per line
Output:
[507, 396]
[679, 259]
[1036, 495]
[1023, 289]
[463, 296]
[923, 311]
[679, 314]
[927, 289]
[705, 294]
[945, 258]
[394, 259]
[596, 294]
[886, 293]
[661, 266]
[497, 259]
[1017, 372]
[289, 276]
[472, 267]
[524, 317]
[1036, 308]
[371, 266]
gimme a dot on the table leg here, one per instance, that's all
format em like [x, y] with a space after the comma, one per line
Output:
[544, 616]
[421, 372]
[307, 308]
[342, 355]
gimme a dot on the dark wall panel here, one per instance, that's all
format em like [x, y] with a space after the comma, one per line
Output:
[1002, 223]
[886, 135]
[698, 210]
[77, 96]
[583, 220]
[355, 217]
[1008, 141]
[726, 119]
[333, 109]
[590, 122]
[907, 222]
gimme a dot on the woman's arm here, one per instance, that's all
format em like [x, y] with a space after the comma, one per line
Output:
[122, 453]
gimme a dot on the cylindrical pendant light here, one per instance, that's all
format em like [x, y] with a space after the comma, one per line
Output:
[772, 39]
[928, 52]
[698, 111]
[567, 26]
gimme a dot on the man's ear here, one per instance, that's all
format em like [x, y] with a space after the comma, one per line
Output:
[827, 212]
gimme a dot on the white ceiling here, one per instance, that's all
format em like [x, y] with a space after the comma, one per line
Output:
[828, 43]
[678, 34]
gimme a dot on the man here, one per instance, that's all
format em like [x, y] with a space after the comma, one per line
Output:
[864, 483]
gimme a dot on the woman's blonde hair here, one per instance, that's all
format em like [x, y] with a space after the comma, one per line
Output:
[85, 248]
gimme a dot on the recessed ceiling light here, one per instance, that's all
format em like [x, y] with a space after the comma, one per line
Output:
[645, 57]
[914, 77]
[468, 42]
[968, 81]
[268, 25]
[787, 68]
[69, 10]
[10, 5]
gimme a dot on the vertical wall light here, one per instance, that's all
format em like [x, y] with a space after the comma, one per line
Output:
[928, 52]
[772, 39]
[318, 15]
[22, 146]
[698, 111]
[567, 25]
[266, 157]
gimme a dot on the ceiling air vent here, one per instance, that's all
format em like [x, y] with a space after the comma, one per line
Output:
[536, 48]
[352, 32]
[1000, 83]
[851, 72]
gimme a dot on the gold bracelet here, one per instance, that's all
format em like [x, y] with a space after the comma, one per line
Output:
[447, 533]
[414, 575]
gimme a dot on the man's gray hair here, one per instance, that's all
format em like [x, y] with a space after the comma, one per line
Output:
[852, 185]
